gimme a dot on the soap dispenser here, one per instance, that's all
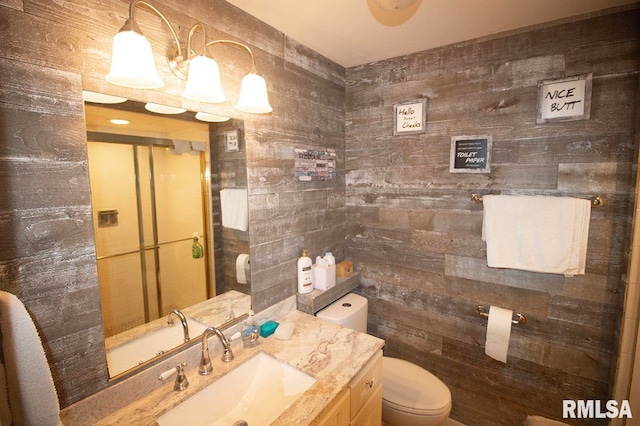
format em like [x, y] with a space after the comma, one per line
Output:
[250, 331]
[305, 281]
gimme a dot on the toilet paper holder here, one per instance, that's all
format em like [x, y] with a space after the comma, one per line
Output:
[520, 319]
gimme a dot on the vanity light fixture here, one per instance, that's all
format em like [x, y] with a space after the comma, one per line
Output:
[133, 66]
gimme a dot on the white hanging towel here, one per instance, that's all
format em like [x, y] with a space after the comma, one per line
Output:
[536, 233]
[235, 209]
[31, 393]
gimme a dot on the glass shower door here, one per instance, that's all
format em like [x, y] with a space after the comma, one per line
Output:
[179, 216]
[153, 202]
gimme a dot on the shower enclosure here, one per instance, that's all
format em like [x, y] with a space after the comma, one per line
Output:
[149, 202]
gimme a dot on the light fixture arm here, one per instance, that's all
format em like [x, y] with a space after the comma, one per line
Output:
[134, 26]
[242, 45]
[175, 56]
[204, 39]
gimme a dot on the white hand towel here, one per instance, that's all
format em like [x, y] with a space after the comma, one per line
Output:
[536, 233]
[235, 209]
[32, 395]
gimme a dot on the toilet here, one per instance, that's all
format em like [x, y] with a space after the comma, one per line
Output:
[411, 395]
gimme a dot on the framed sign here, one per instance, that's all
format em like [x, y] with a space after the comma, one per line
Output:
[470, 154]
[232, 140]
[567, 99]
[410, 118]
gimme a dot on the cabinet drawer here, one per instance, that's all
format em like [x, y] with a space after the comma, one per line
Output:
[366, 383]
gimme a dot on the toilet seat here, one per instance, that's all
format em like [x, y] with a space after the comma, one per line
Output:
[412, 389]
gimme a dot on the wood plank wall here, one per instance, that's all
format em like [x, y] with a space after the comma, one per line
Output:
[415, 235]
[50, 52]
[228, 170]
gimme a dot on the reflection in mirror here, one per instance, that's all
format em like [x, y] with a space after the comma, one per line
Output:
[166, 265]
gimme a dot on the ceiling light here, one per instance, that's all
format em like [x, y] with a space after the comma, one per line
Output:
[163, 109]
[133, 66]
[394, 5]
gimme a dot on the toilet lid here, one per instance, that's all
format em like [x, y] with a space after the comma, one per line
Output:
[411, 388]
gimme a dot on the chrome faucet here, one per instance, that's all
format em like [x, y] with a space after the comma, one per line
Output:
[183, 320]
[205, 362]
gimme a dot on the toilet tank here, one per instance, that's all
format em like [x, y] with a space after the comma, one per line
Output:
[348, 311]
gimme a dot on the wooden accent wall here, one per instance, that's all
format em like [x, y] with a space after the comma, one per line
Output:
[415, 235]
[50, 52]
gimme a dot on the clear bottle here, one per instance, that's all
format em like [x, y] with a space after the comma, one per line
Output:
[250, 331]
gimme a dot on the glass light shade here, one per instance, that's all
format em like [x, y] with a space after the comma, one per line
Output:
[132, 62]
[101, 98]
[211, 118]
[203, 83]
[253, 95]
[163, 109]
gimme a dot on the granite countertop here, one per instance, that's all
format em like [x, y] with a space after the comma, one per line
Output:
[331, 354]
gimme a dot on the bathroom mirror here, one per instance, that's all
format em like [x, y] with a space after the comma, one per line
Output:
[162, 251]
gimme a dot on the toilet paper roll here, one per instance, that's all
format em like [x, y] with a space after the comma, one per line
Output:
[242, 265]
[498, 333]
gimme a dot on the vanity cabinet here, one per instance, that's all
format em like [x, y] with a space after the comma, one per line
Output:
[339, 413]
[360, 404]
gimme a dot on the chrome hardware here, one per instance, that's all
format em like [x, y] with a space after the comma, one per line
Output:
[205, 362]
[183, 320]
[520, 319]
[181, 382]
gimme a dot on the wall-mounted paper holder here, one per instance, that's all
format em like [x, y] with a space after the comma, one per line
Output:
[520, 319]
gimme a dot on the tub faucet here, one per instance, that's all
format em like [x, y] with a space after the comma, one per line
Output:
[205, 362]
[183, 320]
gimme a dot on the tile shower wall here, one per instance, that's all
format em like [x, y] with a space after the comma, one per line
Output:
[415, 235]
[47, 250]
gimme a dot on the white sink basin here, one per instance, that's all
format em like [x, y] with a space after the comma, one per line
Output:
[123, 357]
[256, 392]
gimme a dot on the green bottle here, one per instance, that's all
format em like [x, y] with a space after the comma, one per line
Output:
[196, 247]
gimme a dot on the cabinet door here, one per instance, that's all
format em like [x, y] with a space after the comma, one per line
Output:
[366, 383]
[339, 413]
[371, 412]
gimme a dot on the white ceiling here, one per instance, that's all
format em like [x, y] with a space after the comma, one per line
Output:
[346, 32]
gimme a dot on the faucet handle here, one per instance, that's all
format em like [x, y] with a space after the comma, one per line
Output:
[181, 382]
